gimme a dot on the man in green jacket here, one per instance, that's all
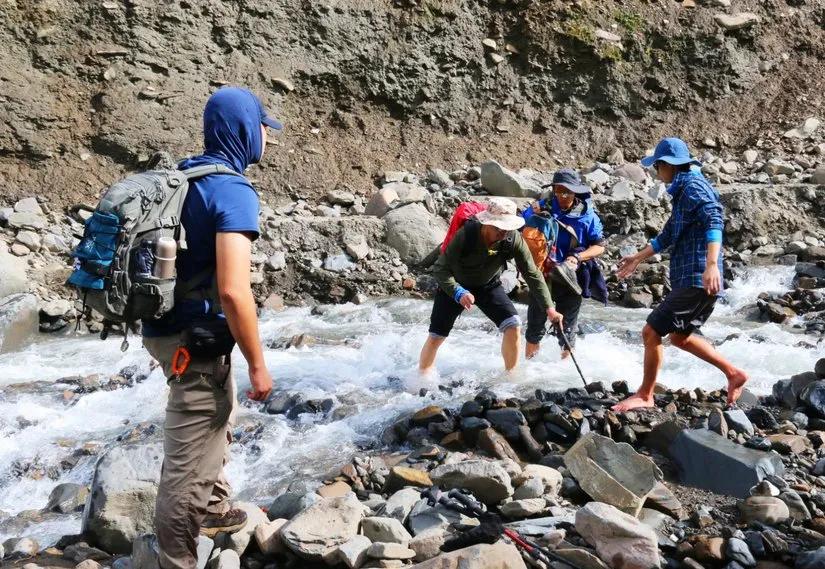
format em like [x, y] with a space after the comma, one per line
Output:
[468, 273]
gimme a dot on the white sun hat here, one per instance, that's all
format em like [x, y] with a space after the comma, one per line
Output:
[501, 213]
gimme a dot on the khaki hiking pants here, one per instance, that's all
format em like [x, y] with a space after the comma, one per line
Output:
[197, 433]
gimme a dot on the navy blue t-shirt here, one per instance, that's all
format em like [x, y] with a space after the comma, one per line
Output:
[218, 203]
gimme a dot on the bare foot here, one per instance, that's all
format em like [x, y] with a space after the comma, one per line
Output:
[565, 353]
[632, 402]
[736, 381]
[531, 350]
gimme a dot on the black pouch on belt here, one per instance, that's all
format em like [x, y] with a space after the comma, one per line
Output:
[209, 338]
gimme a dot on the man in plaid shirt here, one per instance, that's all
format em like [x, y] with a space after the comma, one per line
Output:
[694, 236]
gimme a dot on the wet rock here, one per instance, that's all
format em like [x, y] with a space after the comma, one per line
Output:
[500, 181]
[611, 472]
[507, 421]
[401, 476]
[762, 418]
[67, 498]
[427, 415]
[819, 369]
[320, 529]
[764, 509]
[717, 423]
[20, 548]
[488, 481]
[813, 397]
[500, 555]
[123, 491]
[414, 232]
[388, 530]
[82, 551]
[298, 496]
[268, 536]
[239, 541]
[787, 391]
[711, 462]
[620, 540]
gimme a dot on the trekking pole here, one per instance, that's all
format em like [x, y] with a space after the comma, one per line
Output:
[460, 502]
[570, 349]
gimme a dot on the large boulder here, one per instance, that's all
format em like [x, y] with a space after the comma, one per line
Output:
[414, 232]
[787, 391]
[709, 461]
[612, 472]
[488, 481]
[122, 502]
[318, 531]
[813, 397]
[500, 555]
[13, 278]
[500, 181]
[621, 541]
[19, 320]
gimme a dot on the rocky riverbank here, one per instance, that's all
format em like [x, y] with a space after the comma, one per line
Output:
[686, 484]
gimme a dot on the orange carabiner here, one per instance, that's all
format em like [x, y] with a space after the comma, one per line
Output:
[181, 361]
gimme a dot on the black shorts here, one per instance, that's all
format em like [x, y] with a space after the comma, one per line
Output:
[683, 311]
[490, 299]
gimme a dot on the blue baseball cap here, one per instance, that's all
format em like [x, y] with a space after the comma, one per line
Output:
[671, 150]
[265, 118]
[571, 180]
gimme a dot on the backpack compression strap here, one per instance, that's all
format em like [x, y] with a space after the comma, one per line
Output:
[201, 171]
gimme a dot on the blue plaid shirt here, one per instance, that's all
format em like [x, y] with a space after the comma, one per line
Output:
[695, 221]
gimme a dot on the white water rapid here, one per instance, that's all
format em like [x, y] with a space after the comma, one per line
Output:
[369, 379]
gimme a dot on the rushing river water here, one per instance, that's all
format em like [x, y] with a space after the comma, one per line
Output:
[371, 378]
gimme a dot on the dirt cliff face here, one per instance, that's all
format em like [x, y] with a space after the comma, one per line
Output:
[89, 90]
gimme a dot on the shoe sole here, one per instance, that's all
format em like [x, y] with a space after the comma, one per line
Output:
[212, 532]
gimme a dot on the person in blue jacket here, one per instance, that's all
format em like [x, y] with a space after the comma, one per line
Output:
[693, 234]
[580, 240]
[220, 217]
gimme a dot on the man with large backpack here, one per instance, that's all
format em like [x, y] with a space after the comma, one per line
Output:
[468, 273]
[214, 309]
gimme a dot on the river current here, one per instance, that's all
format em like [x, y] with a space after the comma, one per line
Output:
[364, 359]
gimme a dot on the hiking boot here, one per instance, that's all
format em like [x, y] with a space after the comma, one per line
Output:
[564, 274]
[228, 522]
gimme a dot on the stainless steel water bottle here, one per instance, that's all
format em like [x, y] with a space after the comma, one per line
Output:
[165, 255]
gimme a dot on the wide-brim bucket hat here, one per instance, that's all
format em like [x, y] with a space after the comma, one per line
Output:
[501, 213]
[671, 150]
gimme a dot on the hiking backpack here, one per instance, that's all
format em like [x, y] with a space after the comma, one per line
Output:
[109, 274]
[540, 233]
[463, 212]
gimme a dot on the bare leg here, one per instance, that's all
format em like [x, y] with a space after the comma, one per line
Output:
[510, 347]
[703, 350]
[531, 350]
[565, 353]
[428, 352]
[654, 354]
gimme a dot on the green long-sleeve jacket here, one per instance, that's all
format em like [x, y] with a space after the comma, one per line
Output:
[478, 266]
